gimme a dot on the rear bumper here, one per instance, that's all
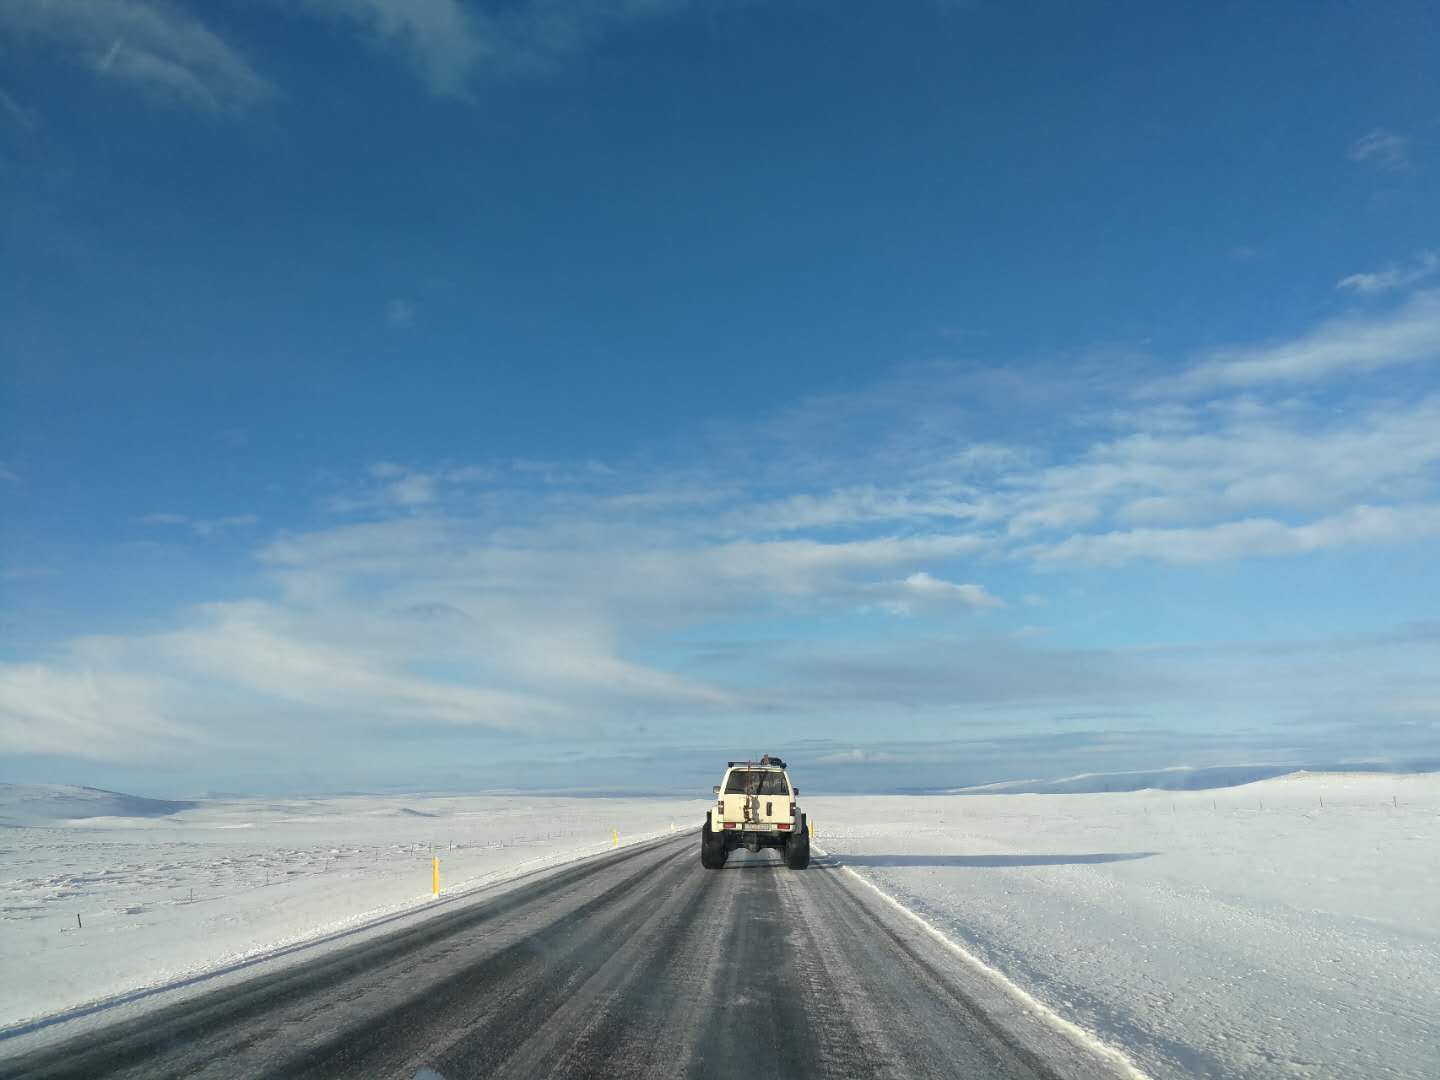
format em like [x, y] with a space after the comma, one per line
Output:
[754, 826]
[740, 827]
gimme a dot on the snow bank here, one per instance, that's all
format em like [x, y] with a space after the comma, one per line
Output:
[162, 894]
[1242, 932]
[46, 804]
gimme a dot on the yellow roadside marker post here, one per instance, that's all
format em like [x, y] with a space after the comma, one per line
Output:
[614, 837]
[435, 876]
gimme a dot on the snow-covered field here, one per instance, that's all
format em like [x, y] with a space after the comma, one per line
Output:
[1241, 932]
[161, 896]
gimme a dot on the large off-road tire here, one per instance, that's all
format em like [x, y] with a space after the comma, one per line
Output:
[712, 848]
[797, 847]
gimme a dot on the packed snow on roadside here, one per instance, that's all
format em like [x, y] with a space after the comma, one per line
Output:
[171, 889]
[1240, 932]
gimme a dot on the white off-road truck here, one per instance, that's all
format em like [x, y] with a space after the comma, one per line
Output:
[755, 808]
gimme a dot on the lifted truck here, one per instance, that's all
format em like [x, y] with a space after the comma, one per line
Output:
[754, 808]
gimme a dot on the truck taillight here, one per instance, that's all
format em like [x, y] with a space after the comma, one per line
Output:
[792, 809]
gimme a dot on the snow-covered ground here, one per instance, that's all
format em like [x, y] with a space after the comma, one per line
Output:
[164, 895]
[1240, 932]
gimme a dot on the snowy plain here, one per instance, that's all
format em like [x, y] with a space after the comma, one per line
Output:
[161, 897]
[1240, 932]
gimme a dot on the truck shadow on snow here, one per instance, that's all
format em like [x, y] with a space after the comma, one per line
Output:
[992, 860]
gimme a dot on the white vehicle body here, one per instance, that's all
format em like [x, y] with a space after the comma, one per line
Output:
[755, 807]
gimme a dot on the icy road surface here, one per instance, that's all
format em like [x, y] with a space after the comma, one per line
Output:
[635, 964]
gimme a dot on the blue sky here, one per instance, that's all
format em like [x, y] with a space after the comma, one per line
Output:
[427, 393]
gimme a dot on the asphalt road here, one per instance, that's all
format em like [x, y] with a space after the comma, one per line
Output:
[639, 964]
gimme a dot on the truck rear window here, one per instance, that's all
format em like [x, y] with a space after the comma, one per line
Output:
[765, 783]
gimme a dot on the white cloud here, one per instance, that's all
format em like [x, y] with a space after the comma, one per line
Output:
[599, 576]
[216, 526]
[86, 712]
[8, 476]
[451, 44]
[1359, 525]
[1251, 459]
[470, 474]
[1394, 277]
[363, 549]
[443, 39]
[563, 472]
[863, 505]
[398, 488]
[810, 567]
[921, 592]
[263, 649]
[416, 489]
[1353, 344]
[1383, 148]
[153, 47]
[202, 526]
[1059, 514]
[1029, 630]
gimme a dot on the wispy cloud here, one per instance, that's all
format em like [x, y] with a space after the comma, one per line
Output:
[1400, 276]
[470, 474]
[151, 46]
[444, 40]
[85, 710]
[390, 486]
[537, 596]
[1251, 537]
[1384, 148]
[920, 592]
[263, 649]
[16, 114]
[451, 44]
[562, 472]
[866, 504]
[1351, 344]
[216, 526]
[1207, 462]
[202, 526]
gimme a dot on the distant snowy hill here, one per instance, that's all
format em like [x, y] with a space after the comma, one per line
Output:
[1182, 778]
[48, 804]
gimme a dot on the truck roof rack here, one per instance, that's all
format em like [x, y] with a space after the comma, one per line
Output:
[769, 761]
